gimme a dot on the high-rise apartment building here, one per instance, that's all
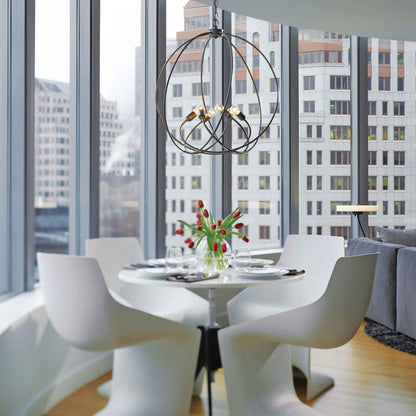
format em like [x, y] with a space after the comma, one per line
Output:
[52, 143]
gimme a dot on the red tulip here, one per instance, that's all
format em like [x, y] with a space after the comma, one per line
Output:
[219, 222]
[239, 225]
[191, 244]
[188, 240]
[198, 216]
[236, 214]
[245, 238]
[198, 222]
[215, 246]
[213, 227]
[206, 214]
[223, 232]
[200, 227]
[200, 204]
[223, 248]
[180, 231]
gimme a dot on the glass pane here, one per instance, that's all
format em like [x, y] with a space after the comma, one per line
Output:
[256, 174]
[188, 177]
[121, 75]
[392, 86]
[52, 122]
[324, 132]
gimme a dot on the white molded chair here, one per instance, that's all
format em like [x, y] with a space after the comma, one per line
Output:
[256, 355]
[174, 303]
[316, 254]
[154, 358]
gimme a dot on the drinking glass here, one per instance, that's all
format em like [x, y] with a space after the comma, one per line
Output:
[174, 257]
[241, 259]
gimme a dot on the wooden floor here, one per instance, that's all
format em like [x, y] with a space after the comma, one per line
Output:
[370, 380]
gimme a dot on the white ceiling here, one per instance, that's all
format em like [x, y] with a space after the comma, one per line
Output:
[388, 19]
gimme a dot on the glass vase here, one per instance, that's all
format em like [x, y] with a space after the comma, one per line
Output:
[210, 261]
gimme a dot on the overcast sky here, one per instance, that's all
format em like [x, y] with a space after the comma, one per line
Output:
[120, 34]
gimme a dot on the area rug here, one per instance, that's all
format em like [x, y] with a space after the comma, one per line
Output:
[390, 338]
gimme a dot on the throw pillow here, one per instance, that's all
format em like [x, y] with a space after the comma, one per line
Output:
[393, 236]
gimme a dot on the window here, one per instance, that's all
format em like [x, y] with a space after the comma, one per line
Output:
[385, 108]
[309, 157]
[334, 205]
[196, 182]
[398, 107]
[264, 158]
[253, 108]
[339, 107]
[308, 207]
[372, 132]
[272, 59]
[385, 133]
[274, 86]
[196, 134]
[319, 131]
[243, 159]
[340, 82]
[309, 131]
[197, 91]
[340, 183]
[400, 58]
[371, 108]
[385, 157]
[340, 132]
[340, 157]
[384, 83]
[241, 87]
[256, 61]
[264, 182]
[309, 183]
[243, 182]
[196, 160]
[385, 183]
[385, 207]
[399, 133]
[319, 183]
[399, 183]
[384, 58]
[399, 158]
[256, 38]
[400, 84]
[264, 207]
[399, 207]
[243, 205]
[318, 207]
[309, 106]
[372, 183]
[372, 158]
[309, 82]
[319, 157]
[264, 232]
[51, 134]
[177, 90]
[177, 112]
[341, 232]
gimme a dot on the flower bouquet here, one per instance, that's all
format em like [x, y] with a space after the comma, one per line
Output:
[210, 237]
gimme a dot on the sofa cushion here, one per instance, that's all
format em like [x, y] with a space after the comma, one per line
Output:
[382, 308]
[404, 237]
[406, 291]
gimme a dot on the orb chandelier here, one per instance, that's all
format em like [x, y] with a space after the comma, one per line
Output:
[215, 121]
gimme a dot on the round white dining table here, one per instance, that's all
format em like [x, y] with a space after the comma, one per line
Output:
[227, 279]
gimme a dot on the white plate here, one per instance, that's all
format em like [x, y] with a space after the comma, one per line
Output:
[159, 272]
[187, 261]
[262, 273]
[253, 263]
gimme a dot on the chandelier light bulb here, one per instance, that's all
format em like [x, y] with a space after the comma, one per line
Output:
[219, 108]
[212, 113]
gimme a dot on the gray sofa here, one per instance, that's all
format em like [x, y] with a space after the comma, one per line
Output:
[393, 300]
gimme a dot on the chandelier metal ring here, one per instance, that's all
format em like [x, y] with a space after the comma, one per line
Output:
[203, 116]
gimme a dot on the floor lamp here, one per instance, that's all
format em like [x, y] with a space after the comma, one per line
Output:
[357, 210]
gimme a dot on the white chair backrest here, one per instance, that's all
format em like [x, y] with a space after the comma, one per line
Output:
[337, 315]
[112, 254]
[76, 297]
[316, 254]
